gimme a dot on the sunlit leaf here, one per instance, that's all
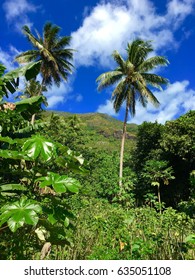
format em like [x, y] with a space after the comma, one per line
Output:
[60, 183]
[39, 147]
[19, 213]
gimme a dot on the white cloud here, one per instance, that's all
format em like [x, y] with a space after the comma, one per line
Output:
[107, 108]
[56, 95]
[175, 100]
[179, 9]
[110, 25]
[54, 101]
[16, 12]
[7, 57]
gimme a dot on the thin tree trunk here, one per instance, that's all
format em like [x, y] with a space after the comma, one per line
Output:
[33, 119]
[159, 199]
[122, 148]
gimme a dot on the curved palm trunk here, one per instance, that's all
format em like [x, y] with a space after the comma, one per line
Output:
[122, 147]
[33, 116]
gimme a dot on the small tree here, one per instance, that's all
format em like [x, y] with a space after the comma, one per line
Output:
[156, 173]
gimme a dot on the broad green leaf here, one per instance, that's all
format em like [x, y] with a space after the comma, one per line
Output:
[52, 219]
[29, 105]
[39, 147]
[29, 70]
[60, 183]
[19, 213]
[10, 81]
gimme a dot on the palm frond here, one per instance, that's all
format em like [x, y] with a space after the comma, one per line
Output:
[108, 78]
[152, 63]
[138, 50]
[119, 60]
[27, 56]
[50, 35]
[143, 100]
[131, 101]
[64, 53]
[63, 42]
[155, 80]
[120, 89]
[35, 42]
[119, 98]
[146, 93]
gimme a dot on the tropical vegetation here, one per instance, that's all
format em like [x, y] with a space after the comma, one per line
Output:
[133, 80]
[60, 196]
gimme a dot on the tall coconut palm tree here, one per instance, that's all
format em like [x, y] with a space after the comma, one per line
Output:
[133, 81]
[52, 53]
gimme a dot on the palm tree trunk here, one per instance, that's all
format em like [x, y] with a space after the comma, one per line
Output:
[122, 147]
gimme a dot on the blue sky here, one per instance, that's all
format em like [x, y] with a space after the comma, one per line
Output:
[97, 29]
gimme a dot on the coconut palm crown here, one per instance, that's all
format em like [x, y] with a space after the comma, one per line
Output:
[52, 52]
[133, 81]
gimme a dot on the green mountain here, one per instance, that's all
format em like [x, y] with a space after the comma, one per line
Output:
[99, 130]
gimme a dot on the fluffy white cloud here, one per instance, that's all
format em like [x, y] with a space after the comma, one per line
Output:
[176, 98]
[60, 95]
[7, 57]
[111, 24]
[107, 108]
[178, 10]
[16, 12]
[56, 95]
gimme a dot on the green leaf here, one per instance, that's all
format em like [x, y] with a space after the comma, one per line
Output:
[29, 70]
[12, 187]
[66, 222]
[13, 155]
[190, 238]
[29, 105]
[52, 219]
[10, 140]
[39, 147]
[60, 183]
[19, 213]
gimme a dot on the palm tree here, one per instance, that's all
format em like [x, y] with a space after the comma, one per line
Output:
[132, 82]
[52, 53]
[33, 88]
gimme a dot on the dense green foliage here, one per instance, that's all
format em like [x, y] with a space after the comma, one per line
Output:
[59, 182]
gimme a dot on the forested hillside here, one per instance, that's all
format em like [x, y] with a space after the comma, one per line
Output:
[82, 211]
[89, 186]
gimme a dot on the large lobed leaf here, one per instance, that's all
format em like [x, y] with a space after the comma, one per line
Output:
[21, 212]
[39, 147]
[60, 183]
